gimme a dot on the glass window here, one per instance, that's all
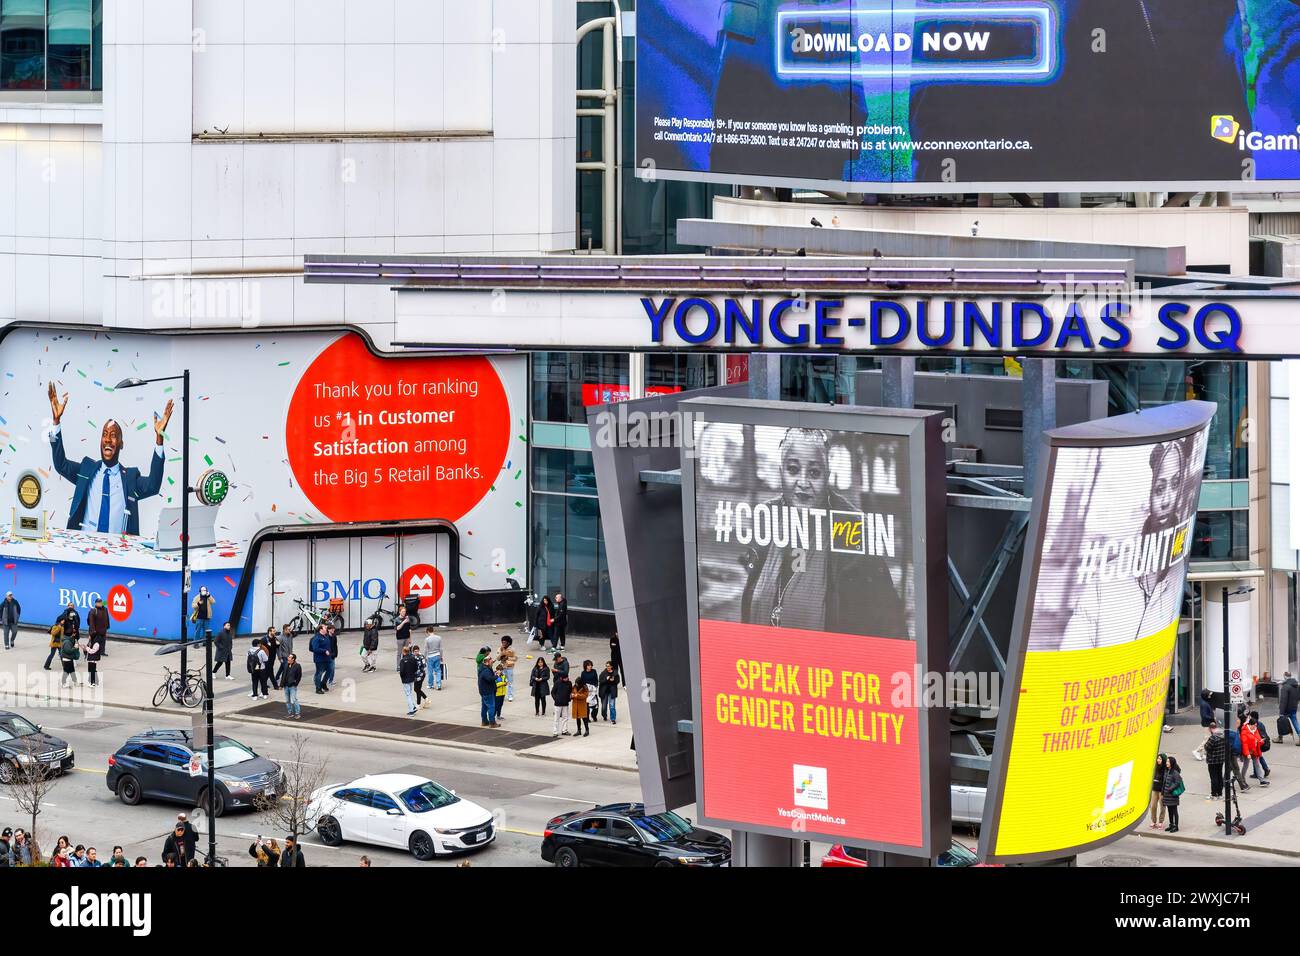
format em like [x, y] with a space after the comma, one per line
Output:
[621, 830]
[1221, 536]
[14, 726]
[22, 44]
[589, 826]
[569, 552]
[227, 753]
[426, 797]
[661, 827]
[382, 801]
[69, 26]
[666, 373]
[565, 383]
[567, 472]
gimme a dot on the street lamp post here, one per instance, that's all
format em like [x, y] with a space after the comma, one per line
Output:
[186, 491]
[1227, 713]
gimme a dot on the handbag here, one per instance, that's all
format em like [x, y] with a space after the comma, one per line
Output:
[1178, 790]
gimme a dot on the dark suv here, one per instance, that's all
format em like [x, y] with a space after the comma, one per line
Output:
[21, 742]
[160, 765]
[623, 834]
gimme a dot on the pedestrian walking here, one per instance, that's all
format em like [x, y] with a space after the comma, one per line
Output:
[94, 651]
[503, 686]
[402, 631]
[11, 613]
[67, 623]
[1157, 794]
[223, 650]
[97, 624]
[561, 696]
[539, 681]
[561, 609]
[283, 651]
[333, 634]
[433, 656]
[320, 656]
[256, 663]
[1236, 758]
[608, 692]
[272, 643]
[1253, 739]
[69, 654]
[616, 655]
[1206, 708]
[1213, 750]
[289, 680]
[175, 847]
[591, 679]
[507, 658]
[1173, 790]
[369, 644]
[544, 623]
[421, 672]
[487, 690]
[578, 706]
[201, 614]
[407, 670]
[1288, 699]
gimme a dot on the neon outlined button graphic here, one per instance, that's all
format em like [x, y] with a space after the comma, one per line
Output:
[1041, 17]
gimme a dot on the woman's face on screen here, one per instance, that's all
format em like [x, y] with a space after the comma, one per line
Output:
[804, 471]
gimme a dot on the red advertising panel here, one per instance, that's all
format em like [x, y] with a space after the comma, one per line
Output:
[814, 598]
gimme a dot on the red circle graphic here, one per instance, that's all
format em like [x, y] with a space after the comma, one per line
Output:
[423, 580]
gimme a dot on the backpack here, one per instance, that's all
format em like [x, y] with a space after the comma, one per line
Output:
[1264, 742]
[252, 662]
[68, 650]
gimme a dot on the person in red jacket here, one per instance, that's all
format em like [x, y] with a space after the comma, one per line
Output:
[1252, 748]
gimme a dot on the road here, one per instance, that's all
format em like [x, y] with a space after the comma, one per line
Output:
[523, 792]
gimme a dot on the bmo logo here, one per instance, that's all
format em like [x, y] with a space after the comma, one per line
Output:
[424, 581]
[119, 603]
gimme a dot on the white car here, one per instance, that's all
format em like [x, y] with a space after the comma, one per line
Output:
[400, 810]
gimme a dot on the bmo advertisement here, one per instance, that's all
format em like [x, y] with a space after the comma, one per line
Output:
[946, 94]
[289, 431]
[818, 542]
[1093, 642]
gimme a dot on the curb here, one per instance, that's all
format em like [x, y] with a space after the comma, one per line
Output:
[428, 741]
[1221, 844]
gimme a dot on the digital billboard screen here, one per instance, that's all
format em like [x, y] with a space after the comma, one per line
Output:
[941, 95]
[1100, 598]
[812, 597]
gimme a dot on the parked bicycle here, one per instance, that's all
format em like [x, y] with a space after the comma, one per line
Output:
[186, 689]
[309, 617]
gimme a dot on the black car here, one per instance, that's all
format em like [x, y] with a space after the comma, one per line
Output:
[158, 765]
[623, 834]
[21, 742]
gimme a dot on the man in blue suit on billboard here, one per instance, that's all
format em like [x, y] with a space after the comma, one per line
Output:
[107, 496]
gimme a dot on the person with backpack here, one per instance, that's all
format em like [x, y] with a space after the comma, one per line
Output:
[561, 696]
[369, 645]
[407, 671]
[289, 680]
[256, 663]
[421, 672]
[66, 624]
[69, 654]
[607, 689]
[539, 680]
[1173, 790]
[223, 650]
[320, 657]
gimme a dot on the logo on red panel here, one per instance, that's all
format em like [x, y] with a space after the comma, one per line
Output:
[119, 603]
[424, 581]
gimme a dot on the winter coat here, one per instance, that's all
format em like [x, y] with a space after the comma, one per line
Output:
[1216, 749]
[540, 680]
[1288, 696]
[224, 644]
[10, 611]
[97, 621]
[370, 639]
[1158, 779]
[609, 684]
[487, 681]
[561, 668]
[562, 692]
[579, 699]
[408, 669]
[508, 657]
[292, 675]
[1251, 741]
[1173, 779]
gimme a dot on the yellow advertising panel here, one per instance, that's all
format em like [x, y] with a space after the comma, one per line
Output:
[1102, 593]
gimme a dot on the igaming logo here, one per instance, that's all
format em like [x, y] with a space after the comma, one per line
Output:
[1224, 128]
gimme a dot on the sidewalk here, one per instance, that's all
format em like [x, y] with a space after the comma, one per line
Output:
[132, 673]
[1270, 814]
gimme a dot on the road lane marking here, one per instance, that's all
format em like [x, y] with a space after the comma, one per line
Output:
[522, 832]
[547, 796]
[90, 770]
